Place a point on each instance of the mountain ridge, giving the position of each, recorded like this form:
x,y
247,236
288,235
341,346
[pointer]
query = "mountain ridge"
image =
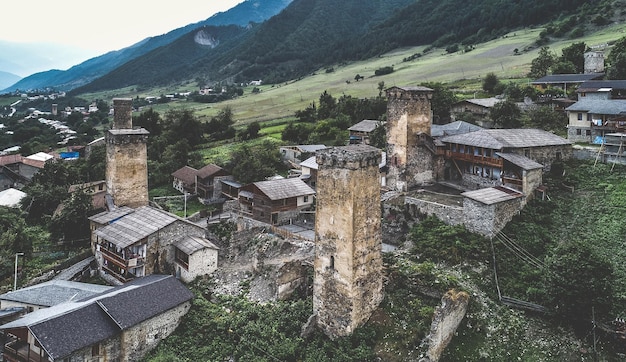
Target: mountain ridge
x,y
85,72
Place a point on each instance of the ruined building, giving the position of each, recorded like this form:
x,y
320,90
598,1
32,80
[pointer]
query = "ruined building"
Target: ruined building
x,y
348,283
127,158
411,154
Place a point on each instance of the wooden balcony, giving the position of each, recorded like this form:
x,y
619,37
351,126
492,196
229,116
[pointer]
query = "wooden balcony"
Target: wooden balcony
x,y
117,259
19,351
127,277
481,160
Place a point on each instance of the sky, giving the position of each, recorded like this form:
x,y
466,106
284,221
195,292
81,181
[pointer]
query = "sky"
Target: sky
x,y
100,26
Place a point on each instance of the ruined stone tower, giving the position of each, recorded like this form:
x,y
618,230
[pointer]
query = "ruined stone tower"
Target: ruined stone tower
x,y
348,283
410,153
127,158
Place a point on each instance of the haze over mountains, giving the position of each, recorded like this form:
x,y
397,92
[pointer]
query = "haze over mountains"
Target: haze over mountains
x,y
308,35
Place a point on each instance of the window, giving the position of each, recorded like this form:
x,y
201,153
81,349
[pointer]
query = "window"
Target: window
x,y
306,199
587,132
527,153
580,116
95,350
579,132
332,263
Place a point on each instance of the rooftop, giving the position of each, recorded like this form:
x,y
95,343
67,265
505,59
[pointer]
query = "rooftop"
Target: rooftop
x,y
53,292
366,125
499,139
284,188
492,195
599,106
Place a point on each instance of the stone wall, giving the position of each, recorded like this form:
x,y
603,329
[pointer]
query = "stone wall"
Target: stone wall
x,y
127,168
202,262
446,319
110,350
143,337
347,285
546,155
291,276
122,113
160,254
488,220
449,214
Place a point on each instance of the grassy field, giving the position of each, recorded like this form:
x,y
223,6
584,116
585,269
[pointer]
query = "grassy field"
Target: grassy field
x,y
465,70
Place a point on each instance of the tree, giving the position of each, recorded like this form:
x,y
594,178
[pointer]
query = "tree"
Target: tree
x,y
617,60
381,88
15,237
71,222
327,106
378,137
577,279
183,124
547,118
506,115
442,101
221,127
540,66
250,163
490,82
150,120
574,55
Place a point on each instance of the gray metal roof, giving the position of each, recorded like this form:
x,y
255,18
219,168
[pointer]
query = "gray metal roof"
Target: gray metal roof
x,y
500,139
458,127
53,292
492,195
521,161
135,226
284,188
592,85
108,216
191,244
567,78
483,102
366,125
414,88
309,163
599,106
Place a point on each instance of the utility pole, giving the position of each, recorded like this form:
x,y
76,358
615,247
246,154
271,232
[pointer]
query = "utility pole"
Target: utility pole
x,y
15,278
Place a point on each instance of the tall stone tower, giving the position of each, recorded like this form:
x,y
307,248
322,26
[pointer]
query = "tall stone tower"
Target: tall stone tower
x,y
127,158
410,156
348,283
594,62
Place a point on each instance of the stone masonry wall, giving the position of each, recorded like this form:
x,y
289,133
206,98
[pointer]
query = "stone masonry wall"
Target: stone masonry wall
x,y
347,285
143,337
408,115
488,220
448,214
127,169
110,351
160,254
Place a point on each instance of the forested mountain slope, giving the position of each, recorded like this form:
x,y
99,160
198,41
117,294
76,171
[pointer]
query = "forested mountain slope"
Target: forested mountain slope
x,y
312,34
248,11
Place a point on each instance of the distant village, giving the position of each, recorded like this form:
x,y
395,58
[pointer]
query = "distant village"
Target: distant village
x,y
464,173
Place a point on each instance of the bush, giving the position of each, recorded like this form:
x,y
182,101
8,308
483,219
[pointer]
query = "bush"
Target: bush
x,y
383,71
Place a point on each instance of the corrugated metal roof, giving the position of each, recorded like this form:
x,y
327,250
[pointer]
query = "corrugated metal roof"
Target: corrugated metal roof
x,y
499,139
53,292
135,226
309,163
191,244
521,161
484,102
108,216
568,78
284,188
209,170
453,128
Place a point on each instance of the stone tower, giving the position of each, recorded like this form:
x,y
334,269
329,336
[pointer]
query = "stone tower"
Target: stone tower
x,y
348,283
594,62
127,158
410,152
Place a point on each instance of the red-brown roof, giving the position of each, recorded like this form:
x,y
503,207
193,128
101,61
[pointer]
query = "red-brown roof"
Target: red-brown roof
x,y
10,159
186,174
211,170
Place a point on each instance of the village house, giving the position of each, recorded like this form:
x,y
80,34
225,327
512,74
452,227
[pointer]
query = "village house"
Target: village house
x,y
206,182
11,197
130,243
602,89
479,107
119,324
360,132
589,119
275,201
452,128
511,157
16,170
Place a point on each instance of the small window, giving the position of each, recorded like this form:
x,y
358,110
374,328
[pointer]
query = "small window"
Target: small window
x,y
527,153
587,132
580,116
579,132
306,199
95,350
332,263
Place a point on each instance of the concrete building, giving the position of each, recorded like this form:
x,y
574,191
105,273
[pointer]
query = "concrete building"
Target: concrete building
x,y
348,280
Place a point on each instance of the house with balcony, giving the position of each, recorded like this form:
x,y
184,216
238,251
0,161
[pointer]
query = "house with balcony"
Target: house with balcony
x,y
209,181
122,323
502,157
602,89
184,180
276,201
130,243
590,119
